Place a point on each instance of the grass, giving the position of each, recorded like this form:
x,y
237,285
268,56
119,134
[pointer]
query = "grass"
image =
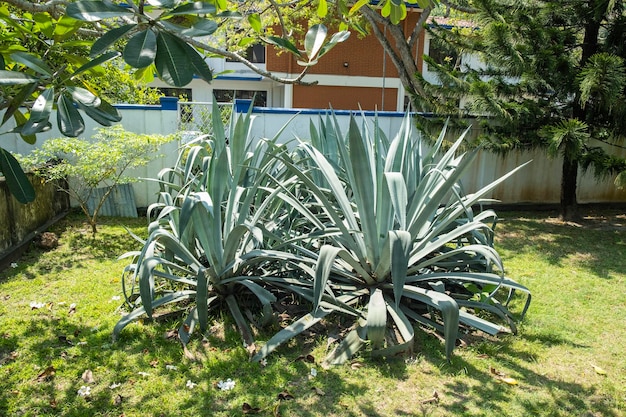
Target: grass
x,y
576,274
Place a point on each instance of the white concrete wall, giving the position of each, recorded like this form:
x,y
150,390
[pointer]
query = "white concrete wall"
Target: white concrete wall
x,y
538,183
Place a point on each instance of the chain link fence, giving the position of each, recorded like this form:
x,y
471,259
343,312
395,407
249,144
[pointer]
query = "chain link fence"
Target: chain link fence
x,y
197,117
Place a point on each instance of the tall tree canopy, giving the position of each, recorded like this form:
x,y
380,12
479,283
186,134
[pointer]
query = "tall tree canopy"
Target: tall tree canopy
x,y
552,76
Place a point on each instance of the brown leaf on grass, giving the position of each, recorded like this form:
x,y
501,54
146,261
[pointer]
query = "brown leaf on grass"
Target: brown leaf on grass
x,y
46,374
356,365
433,399
189,354
248,409
501,376
88,377
285,395
154,363
318,391
251,348
10,357
305,358
118,400
171,334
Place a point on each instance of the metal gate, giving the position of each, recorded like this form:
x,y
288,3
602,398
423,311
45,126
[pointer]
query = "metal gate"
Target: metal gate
x,y
196,117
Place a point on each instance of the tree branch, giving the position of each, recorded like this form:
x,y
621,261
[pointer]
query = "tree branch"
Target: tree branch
x,y
458,7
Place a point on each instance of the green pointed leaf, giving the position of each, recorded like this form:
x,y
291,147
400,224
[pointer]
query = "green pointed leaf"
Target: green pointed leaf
x,y
322,8
197,7
96,62
15,77
201,27
108,39
199,65
254,20
171,61
355,8
44,23
286,334
336,38
19,185
40,113
283,44
69,120
21,120
346,349
66,27
141,49
141,311
105,114
95,10
18,100
32,62
314,40
84,96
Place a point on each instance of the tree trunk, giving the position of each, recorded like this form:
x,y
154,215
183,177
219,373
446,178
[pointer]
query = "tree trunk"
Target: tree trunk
x,y
569,205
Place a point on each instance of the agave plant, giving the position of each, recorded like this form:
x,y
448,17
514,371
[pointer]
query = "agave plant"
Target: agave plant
x,y
206,243
396,241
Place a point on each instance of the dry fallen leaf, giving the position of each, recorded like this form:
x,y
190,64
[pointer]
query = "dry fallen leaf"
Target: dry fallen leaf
x,y
88,377
318,391
46,374
118,400
356,365
598,370
154,363
285,395
248,409
189,354
251,349
433,399
508,380
171,334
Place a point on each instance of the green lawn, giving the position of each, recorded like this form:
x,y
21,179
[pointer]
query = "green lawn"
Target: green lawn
x,y
577,320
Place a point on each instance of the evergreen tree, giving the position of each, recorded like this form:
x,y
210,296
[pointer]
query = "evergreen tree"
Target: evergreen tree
x,y
553,76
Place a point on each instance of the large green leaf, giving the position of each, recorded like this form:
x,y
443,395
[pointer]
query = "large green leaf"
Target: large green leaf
x,y
15,77
200,67
141,50
139,312
40,113
102,43
18,100
19,185
196,7
171,61
283,44
286,334
84,96
95,10
314,40
69,120
105,114
33,62
96,62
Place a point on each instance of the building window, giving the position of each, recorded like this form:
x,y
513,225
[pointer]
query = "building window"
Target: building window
x,y
254,54
228,96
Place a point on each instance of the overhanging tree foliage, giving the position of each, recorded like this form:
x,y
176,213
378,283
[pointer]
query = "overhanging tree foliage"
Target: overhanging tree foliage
x,y
163,37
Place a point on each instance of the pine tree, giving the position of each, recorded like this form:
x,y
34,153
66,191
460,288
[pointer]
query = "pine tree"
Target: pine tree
x,y
553,76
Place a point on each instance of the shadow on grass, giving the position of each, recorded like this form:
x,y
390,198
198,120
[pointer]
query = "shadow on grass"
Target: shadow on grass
x,y
555,241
